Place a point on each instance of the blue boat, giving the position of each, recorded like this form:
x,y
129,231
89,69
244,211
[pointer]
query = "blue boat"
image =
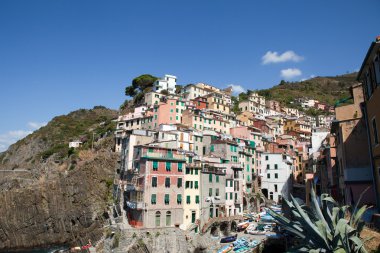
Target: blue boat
x,y
229,239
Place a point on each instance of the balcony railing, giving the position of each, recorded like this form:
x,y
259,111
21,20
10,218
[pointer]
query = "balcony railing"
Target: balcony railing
x,y
135,205
163,156
214,170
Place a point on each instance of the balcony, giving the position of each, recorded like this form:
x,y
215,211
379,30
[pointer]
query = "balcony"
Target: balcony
x,y
163,156
236,166
213,170
135,205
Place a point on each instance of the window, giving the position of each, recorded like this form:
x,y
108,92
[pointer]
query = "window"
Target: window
x,y
155,165
196,185
217,178
266,158
276,167
166,199
226,195
376,68
209,192
196,172
187,171
197,199
153,199
210,178
368,84
374,129
187,199
168,166
231,182
231,196
268,175
275,188
168,218
268,166
180,167
167,182
154,181
179,199
187,184
179,182
275,175
217,192
212,148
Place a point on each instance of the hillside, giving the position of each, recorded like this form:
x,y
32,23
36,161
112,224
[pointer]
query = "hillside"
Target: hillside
x,y
59,195
51,141
325,89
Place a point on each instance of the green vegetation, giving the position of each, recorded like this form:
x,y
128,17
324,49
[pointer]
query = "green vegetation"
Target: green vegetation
x,y
235,107
84,125
325,89
140,85
323,228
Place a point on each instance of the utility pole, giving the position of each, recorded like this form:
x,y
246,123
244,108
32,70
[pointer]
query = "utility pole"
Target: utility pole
x,y
92,145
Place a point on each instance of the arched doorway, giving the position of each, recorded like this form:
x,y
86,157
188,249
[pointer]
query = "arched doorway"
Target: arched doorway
x,y
168,218
158,219
233,226
224,227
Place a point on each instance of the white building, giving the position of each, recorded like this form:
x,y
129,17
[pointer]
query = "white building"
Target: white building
x,y
167,83
75,144
276,169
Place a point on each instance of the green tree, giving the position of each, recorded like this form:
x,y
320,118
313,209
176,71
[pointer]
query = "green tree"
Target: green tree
x,y
140,84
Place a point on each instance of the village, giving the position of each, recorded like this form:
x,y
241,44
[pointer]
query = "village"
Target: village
x,y
188,161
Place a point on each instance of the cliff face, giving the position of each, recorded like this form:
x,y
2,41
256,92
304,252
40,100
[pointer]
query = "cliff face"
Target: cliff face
x,y
53,195
63,208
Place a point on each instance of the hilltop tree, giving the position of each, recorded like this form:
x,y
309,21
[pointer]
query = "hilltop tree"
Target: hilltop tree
x,y
139,84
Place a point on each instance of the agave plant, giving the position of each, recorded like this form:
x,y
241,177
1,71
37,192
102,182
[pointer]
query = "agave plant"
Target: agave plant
x,y
324,227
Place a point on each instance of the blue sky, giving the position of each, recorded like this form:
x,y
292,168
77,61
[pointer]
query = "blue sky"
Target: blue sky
x,y
58,56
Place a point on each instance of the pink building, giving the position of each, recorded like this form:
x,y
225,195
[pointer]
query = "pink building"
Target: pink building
x,y
154,195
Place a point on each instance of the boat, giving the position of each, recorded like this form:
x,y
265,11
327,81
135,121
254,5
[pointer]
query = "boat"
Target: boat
x,y
242,226
225,249
228,239
256,232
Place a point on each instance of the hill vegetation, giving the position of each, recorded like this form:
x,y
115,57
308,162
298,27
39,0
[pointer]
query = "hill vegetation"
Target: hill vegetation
x,y
52,140
325,89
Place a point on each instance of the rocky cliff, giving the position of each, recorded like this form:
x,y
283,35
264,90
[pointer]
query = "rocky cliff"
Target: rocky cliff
x,y
50,194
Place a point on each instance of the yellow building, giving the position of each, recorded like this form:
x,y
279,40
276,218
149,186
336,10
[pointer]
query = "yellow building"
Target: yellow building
x,y
192,199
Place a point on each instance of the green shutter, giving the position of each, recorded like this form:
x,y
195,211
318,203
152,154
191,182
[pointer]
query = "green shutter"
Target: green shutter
x,y
196,185
217,178
179,182
188,199
179,198
154,199
180,167
168,166
210,178
167,200
155,165
197,199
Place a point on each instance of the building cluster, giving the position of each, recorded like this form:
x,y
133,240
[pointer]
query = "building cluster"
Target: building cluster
x,y
347,164
186,157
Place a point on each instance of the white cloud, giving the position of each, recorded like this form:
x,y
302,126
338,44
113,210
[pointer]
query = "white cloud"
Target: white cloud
x,y
236,89
36,125
274,57
310,77
290,73
11,137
